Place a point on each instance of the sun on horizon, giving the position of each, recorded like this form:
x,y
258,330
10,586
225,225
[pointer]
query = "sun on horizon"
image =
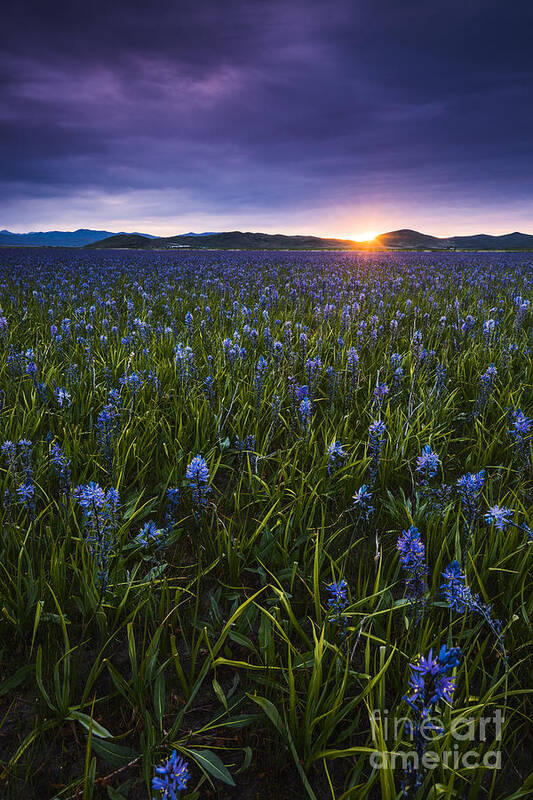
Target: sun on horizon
x,y
365,236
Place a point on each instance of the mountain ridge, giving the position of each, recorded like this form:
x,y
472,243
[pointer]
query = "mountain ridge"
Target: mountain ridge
x,y
77,238
402,239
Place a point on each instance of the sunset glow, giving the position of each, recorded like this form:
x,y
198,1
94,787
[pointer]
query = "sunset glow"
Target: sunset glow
x,y
366,236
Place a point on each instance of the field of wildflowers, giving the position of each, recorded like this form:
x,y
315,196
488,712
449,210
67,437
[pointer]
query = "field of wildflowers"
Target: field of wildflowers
x,y
256,508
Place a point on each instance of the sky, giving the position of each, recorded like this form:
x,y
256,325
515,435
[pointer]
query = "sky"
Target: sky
x,y
331,118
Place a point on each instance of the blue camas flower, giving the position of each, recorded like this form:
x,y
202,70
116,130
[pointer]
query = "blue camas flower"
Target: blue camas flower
x,y
376,440
245,447
380,393
134,381
19,463
9,451
520,436
413,560
332,379
338,595
502,519
430,683
25,451
305,411
259,378
277,350
312,371
460,598
469,487
107,429
173,498
427,467
440,382
100,525
427,463
362,500
63,398
337,602
198,476
172,777
61,466
336,457
489,329
90,496
208,388
276,409
150,536
26,495
487,385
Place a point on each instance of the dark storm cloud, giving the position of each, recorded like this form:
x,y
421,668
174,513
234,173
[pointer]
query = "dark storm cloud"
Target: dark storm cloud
x,y
255,105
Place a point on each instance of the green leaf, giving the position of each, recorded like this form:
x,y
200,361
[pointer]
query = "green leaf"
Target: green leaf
x,y
88,723
115,754
38,612
220,693
159,698
17,678
271,711
39,678
210,762
155,572
248,755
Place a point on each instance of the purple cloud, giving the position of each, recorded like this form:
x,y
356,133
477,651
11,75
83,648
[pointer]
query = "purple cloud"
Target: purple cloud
x,y
282,115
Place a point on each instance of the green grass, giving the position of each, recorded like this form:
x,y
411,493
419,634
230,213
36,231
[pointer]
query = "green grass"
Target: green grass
x,y
222,648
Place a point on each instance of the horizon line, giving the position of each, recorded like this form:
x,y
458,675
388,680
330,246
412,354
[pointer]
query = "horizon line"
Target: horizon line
x,y
259,231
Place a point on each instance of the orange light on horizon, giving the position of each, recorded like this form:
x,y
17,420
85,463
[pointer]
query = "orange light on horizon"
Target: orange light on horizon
x,y
365,236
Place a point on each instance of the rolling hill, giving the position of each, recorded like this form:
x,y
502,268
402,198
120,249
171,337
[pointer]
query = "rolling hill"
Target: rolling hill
x,y
404,239
235,240
79,238
408,239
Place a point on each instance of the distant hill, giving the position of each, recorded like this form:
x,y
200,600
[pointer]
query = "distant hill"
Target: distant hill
x,y
133,240
79,238
485,241
237,240
407,239
261,241
404,239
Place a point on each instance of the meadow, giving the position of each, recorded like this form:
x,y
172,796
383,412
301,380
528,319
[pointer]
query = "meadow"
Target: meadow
x,y
256,509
